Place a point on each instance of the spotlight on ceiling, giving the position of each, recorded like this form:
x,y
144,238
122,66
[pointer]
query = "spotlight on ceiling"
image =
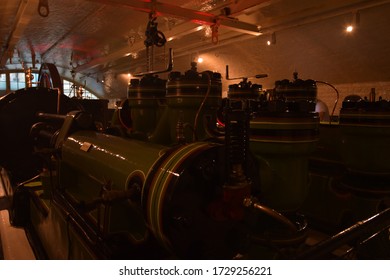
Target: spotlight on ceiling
x,y
272,40
355,21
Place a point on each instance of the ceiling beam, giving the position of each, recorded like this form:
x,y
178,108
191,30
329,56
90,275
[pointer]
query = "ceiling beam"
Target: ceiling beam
x,y
292,21
227,38
199,17
174,33
196,18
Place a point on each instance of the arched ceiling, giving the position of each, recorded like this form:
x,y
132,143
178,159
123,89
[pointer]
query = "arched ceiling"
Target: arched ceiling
x,y
101,40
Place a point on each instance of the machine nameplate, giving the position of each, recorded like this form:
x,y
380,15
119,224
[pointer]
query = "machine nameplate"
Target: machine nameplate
x,y
85,147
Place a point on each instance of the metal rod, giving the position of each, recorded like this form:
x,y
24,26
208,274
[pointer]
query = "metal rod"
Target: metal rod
x,y
248,202
335,102
169,67
258,76
51,116
194,136
362,229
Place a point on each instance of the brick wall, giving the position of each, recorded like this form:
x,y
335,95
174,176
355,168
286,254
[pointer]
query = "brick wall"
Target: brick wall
x,y
328,95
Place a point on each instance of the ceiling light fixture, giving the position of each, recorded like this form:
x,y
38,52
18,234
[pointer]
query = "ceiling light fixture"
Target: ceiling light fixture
x,y
272,40
354,22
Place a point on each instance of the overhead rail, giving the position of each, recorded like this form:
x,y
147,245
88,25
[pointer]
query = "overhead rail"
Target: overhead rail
x,y
164,9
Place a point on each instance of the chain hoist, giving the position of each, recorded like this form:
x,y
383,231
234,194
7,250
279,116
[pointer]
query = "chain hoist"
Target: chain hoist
x,y
154,37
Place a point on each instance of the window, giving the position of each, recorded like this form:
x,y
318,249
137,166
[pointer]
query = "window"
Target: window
x,y
3,84
17,81
71,91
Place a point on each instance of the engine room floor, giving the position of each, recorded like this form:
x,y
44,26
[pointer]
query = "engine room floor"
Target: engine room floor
x,y
14,243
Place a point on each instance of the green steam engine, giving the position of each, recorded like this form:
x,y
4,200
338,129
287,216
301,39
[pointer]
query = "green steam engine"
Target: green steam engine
x,y
181,172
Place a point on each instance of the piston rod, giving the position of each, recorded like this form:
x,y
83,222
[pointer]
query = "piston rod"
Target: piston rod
x,y
361,229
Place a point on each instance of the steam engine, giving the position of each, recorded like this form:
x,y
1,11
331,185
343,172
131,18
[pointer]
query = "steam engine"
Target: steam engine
x,y
183,173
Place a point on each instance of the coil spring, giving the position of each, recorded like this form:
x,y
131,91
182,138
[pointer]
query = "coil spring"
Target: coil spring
x,y
237,137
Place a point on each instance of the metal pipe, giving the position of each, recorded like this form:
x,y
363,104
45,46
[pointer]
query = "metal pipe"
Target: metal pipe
x,y
194,137
361,229
335,102
58,99
248,202
28,77
51,116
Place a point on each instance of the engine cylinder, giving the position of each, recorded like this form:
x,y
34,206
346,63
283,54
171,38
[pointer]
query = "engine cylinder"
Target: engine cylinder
x,y
365,134
282,142
193,99
176,189
298,95
18,112
145,98
283,132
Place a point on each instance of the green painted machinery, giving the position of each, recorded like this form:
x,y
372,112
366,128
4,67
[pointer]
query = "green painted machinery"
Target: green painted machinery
x,y
283,133
349,171
189,175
